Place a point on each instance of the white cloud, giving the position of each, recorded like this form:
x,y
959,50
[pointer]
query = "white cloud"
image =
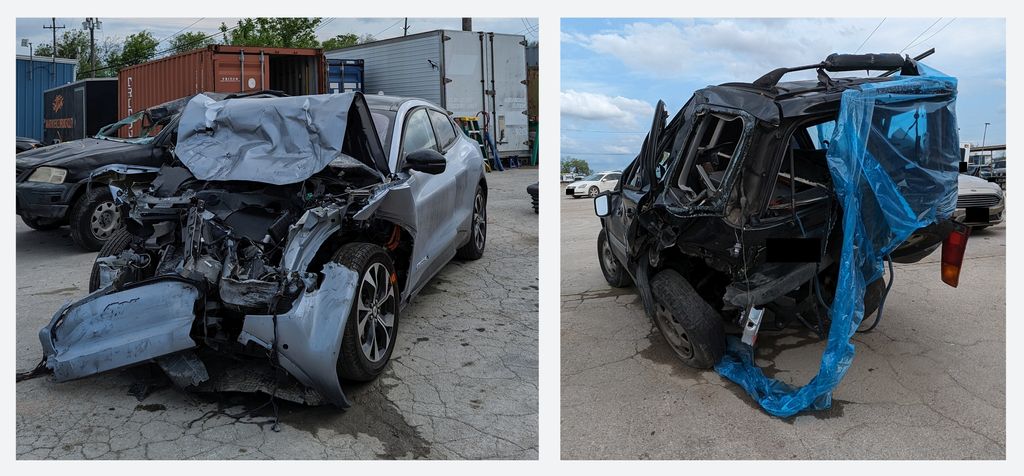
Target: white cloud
x,y
617,111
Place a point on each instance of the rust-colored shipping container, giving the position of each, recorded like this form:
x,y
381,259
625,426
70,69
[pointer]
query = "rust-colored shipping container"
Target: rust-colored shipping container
x,y
220,68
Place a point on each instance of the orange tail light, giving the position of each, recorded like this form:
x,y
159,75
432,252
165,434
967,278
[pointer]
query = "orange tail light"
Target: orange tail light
x,y
953,249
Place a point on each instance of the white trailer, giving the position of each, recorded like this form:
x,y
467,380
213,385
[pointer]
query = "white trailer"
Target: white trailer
x,y
468,73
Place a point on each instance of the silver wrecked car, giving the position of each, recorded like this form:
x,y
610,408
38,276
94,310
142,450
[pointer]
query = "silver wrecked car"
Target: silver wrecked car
x,y
287,233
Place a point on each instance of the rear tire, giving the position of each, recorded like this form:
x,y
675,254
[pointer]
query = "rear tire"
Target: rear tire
x,y
689,324
474,249
614,273
41,224
94,219
373,314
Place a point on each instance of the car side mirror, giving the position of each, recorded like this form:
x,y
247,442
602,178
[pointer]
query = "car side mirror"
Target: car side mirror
x,y
428,161
602,205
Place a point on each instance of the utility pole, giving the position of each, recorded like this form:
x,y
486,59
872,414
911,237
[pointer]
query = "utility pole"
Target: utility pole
x,y
92,24
985,134
405,29
53,49
467,24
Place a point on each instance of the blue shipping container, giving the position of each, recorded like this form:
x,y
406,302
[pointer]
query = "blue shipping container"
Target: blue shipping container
x,y
34,76
344,75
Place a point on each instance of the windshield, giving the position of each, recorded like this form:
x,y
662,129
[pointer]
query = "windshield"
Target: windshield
x,y
593,178
140,129
1000,164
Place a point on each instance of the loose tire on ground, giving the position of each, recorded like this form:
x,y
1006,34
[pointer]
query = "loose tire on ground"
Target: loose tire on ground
x,y
689,324
355,363
114,246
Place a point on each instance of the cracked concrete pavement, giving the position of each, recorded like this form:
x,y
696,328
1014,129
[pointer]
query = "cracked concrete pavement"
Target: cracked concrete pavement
x,y
462,382
928,383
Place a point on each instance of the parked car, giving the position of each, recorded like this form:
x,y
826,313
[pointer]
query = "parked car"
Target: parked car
x,y
572,177
283,232
979,202
594,184
56,184
534,191
998,174
730,207
22,144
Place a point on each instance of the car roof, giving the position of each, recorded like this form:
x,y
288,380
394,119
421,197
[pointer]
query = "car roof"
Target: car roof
x,y
383,102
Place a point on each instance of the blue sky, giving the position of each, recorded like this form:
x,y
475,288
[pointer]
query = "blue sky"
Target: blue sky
x,y
615,70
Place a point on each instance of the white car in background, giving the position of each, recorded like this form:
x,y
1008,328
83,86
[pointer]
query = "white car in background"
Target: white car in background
x,y
594,184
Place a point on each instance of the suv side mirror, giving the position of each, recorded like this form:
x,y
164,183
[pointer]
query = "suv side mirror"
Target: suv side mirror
x,y
428,161
602,205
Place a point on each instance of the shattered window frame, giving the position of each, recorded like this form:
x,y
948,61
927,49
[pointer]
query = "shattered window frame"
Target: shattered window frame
x,y
715,204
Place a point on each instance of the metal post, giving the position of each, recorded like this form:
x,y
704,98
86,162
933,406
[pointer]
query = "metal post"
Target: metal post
x,y
53,49
985,134
405,29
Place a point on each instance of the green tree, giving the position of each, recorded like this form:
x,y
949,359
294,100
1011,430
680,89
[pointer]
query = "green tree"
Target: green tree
x,y
340,41
582,167
273,32
190,40
137,48
74,44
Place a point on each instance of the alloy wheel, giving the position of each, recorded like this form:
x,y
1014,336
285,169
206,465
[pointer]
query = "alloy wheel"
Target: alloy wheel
x,y
375,312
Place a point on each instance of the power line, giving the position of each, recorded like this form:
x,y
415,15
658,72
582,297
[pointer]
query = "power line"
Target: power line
x,y
181,30
869,36
920,34
390,27
172,49
933,34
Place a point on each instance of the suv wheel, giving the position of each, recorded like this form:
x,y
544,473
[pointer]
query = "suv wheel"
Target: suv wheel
x,y
689,324
372,326
94,219
613,271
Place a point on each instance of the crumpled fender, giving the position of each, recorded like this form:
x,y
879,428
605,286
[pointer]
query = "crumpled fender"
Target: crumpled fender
x,y
107,330
308,337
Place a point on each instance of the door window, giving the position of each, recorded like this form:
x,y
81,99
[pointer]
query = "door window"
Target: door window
x,y
418,133
713,150
443,127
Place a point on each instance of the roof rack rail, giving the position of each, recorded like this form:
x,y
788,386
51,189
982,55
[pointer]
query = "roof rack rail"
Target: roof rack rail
x,y
835,62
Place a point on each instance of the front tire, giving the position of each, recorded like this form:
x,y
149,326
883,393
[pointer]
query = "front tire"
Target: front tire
x,y
477,229
594,192
611,268
689,324
371,330
113,247
94,219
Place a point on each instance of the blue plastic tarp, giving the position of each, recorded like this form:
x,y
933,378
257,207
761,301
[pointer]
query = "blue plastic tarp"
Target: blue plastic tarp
x,y
893,157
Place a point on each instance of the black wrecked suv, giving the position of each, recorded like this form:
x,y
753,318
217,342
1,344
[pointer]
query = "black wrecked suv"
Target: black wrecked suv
x,y
728,220
57,185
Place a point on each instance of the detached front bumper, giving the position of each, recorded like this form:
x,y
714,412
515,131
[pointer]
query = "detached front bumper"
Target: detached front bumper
x,y
44,200
108,330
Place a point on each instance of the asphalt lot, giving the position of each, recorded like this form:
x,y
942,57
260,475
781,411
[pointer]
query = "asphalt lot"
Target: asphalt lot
x,y
929,383
462,382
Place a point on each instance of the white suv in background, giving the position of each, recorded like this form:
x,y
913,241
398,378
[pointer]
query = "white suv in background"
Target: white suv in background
x,y
594,184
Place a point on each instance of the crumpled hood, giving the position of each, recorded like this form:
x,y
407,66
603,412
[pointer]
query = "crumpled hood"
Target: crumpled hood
x,y
70,155
276,140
